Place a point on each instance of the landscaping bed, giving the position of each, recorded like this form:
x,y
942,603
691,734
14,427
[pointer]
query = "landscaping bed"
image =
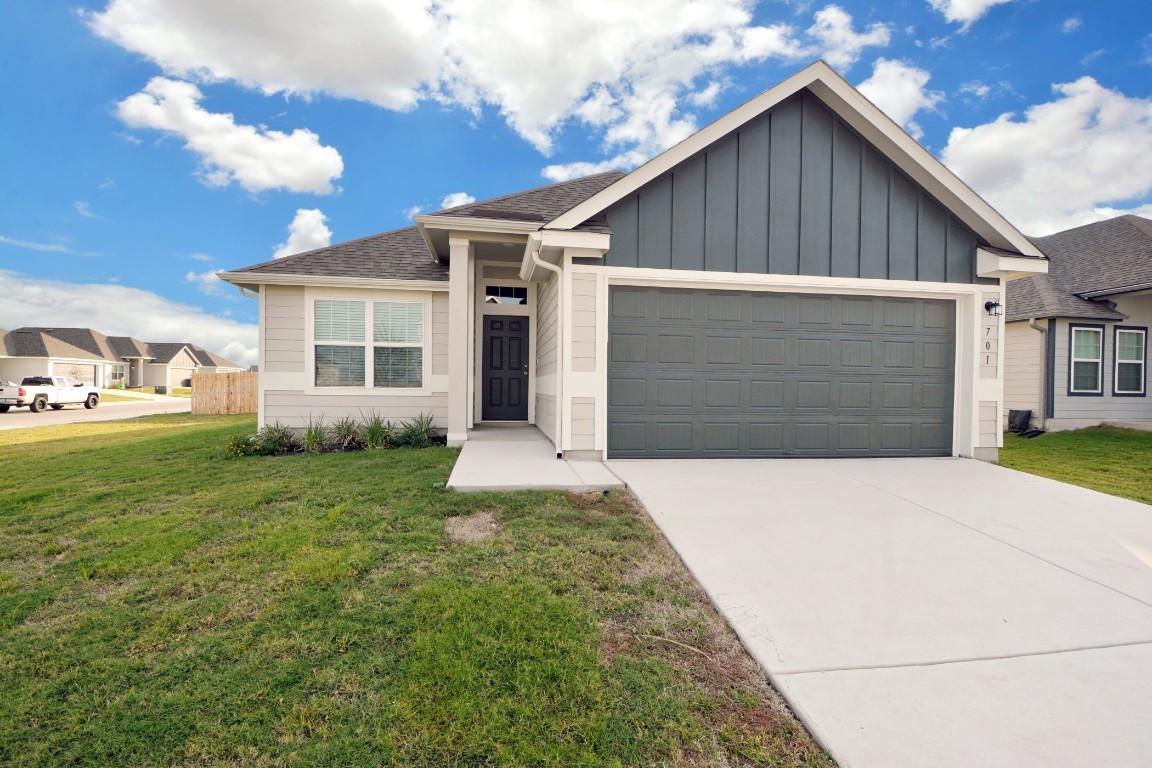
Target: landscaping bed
x,y
162,604
1115,461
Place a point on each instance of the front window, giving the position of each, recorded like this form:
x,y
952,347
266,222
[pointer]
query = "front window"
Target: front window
x,y
1087,354
1130,353
349,333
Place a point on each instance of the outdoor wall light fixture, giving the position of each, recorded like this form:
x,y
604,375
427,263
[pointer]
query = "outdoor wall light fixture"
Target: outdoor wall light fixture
x,y
994,308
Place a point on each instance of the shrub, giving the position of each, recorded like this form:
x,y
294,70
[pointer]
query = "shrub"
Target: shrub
x,y
316,436
243,445
378,432
346,434
418,432
276,439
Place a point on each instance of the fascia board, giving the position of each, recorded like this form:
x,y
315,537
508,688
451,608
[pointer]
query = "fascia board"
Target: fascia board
x,y
474,224
257,279
552,238
1006,267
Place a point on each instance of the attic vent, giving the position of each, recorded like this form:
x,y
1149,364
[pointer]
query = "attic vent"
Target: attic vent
x,y
497,213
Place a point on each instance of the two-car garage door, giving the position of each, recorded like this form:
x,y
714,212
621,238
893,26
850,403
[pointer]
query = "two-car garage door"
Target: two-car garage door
x,y
702,373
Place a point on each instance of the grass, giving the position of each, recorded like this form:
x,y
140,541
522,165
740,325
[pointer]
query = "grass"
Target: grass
x,y
111,397
163,605
1114,461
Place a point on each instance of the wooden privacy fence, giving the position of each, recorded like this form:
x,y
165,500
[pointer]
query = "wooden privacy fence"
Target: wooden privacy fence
x,y
221,393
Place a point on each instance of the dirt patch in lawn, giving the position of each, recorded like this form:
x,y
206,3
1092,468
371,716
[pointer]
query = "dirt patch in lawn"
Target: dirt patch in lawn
x,y
472,529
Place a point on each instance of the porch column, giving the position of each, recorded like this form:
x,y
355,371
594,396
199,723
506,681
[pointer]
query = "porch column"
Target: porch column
x,y
460,253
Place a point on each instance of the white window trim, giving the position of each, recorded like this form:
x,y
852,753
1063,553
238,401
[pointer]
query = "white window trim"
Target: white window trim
x,y
1099,360
1143,362
368,345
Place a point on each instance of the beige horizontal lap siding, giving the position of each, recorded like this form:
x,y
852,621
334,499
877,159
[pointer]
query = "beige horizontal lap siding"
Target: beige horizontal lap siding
x,y
547,320
583,323
283,329
1092,409
546,415
439,333
295,409
990,426
1023,367
583,423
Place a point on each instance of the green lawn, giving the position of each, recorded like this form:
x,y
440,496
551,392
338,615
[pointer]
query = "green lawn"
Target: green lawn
x,y
1115,461
163,605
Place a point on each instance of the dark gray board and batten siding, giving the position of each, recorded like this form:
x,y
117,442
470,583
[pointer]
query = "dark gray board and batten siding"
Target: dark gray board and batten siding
x,y
796,191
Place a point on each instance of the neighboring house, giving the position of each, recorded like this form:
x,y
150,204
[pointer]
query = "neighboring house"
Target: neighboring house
x,y
102,361
1077,338
799,278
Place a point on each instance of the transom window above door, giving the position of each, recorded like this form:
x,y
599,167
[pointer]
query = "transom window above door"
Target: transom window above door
x,y
505,294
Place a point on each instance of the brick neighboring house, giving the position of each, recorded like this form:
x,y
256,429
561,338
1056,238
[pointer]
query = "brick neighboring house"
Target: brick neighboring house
x,y
103,361
1076,339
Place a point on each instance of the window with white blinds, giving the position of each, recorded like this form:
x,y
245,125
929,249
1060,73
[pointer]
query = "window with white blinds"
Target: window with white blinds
x,y
377,344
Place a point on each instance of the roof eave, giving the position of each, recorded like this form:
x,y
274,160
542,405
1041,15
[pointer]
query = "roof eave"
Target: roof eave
x,y
253,281
1114,291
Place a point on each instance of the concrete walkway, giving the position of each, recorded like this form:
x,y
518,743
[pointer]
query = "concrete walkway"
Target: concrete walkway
x,y
927,612
521,458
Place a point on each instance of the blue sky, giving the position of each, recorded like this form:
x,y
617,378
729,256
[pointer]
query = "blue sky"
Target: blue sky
x,y
147,143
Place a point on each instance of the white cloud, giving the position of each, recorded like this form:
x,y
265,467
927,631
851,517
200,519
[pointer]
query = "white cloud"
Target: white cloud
x,y
976,88
201,257
48,247
965,11
626,71
1086,153
455,199
840,43
307,232
255,158
207,282
899,89
118,310
412,212
108,183
1071,24
85,210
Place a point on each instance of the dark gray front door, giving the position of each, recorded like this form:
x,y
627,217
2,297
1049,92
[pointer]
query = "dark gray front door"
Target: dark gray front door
x,y
505,369
694,373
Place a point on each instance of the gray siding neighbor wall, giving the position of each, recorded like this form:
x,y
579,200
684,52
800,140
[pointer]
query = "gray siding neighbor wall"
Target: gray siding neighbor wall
x,y
795,191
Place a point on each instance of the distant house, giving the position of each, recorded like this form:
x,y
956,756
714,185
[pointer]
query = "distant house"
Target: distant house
x,y
1076,339
103,361
799,278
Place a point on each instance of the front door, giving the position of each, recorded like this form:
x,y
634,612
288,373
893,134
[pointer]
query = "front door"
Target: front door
x,y
505,368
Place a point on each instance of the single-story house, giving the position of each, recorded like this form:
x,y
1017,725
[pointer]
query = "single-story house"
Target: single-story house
x,y
799,278
1076,339
102,361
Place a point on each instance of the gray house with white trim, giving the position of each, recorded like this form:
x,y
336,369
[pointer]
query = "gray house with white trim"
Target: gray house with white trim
x,y
799,278
1077,338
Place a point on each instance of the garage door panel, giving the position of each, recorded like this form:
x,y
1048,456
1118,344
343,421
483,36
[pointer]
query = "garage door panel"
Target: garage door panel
x,y
737,374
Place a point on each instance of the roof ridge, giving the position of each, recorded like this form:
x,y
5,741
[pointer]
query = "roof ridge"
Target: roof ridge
x,y
542,187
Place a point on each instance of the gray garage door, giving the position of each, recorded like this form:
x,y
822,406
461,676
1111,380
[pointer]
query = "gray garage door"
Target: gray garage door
x,y
695,373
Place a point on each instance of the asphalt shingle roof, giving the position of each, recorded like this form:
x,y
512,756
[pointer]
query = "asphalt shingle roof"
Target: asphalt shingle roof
x,y
397,255
542,204
87,344
1111,254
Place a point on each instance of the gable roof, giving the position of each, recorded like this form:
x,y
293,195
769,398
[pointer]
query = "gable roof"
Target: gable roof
x,y
542,204
397,255
1105,258
863,116
88,344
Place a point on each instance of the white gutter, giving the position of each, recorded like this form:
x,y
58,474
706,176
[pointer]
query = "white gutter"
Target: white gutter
x,y
1044,377
534,254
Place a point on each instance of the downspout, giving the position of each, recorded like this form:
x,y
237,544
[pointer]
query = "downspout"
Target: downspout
x,y
1044,374
534,254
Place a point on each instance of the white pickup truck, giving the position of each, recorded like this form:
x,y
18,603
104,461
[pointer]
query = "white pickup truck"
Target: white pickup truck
x,y
40,392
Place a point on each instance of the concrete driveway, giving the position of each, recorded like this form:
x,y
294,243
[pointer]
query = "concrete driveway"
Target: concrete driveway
x,y
19,418
927,612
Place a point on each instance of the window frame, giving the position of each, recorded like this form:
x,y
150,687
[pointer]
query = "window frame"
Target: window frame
x,y
1072,360
1116,361
369,345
